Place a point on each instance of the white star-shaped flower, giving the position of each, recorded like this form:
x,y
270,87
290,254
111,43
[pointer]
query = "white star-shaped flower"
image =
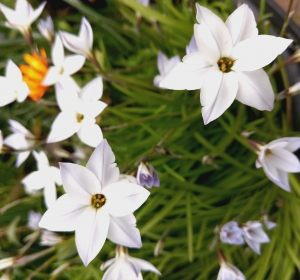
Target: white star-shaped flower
x,y
12,85
277,160
46,28
231,233
125,267
44,178
20,140
78,113
63,66
229,63
254,235
164,66
94,203
230,272
81,44
23,16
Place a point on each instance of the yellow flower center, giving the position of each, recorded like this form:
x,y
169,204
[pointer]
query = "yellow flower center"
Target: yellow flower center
x,y
225,64
98,200
267,152
79,117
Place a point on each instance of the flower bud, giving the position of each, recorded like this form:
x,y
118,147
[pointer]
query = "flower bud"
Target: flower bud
x,y
146,175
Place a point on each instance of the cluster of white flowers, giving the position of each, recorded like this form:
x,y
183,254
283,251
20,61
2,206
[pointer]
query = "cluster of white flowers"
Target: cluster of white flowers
x,y
224,60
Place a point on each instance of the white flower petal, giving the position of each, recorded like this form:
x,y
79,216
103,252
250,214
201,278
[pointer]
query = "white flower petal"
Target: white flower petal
x,y
241,24
93,109
270,170
86,35
284,160
8,13
34,181
123,233
90,134
52,76
79,182
71,42
164,64
18,128
192,46
291,144
120,269
230,272
255,90
50,194
218,43
218,93
63,127
16,141
143,265
73,63
37,12
102,164
91,233
107,263
92,91
177,78
270,225
22,157
162,60
183,77
12,71
255,246
253,230
82,43
6,98
66,96
124,198
55,174
157,79
68,83
258,164
23,91
257,52
57,52
63,215
196,61
283,181
41,160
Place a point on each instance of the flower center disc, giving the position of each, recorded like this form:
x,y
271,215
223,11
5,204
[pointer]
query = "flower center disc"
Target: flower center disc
x,y
267,152
98,200
225,64
79,117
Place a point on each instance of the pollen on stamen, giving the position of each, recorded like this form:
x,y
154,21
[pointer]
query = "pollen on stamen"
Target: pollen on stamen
x,y
98,200
267,152
79,117
225,64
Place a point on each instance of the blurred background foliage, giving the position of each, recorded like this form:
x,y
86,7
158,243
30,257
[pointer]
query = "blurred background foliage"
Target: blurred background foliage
x,y
166,128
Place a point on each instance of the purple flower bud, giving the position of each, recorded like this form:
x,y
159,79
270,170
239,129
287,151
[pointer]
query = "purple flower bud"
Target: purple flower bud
x,y
146,175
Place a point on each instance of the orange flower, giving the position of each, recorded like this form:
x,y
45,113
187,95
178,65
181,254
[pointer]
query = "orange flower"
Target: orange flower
x,y
34,73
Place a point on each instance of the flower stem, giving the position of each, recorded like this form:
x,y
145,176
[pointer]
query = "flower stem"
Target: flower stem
x,y
285,23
